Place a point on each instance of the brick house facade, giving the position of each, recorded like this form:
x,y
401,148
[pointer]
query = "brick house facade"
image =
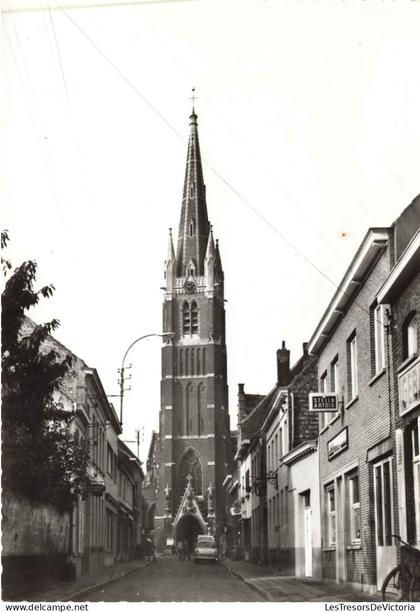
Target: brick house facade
x,y
358,475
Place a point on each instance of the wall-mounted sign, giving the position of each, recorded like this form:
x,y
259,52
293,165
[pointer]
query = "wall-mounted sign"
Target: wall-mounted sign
x,y
323,402
337,444
409,387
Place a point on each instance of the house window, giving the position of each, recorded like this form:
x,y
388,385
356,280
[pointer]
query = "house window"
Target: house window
x,y
330,495
415,435
383,502
335,376
286,439
111,462
354,507
377,325
247,483
324,417
352,367
410,340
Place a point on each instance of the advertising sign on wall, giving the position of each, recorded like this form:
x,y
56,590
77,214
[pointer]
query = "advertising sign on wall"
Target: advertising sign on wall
x,y
337,444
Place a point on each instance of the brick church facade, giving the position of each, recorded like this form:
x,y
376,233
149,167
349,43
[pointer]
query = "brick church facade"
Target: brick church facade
x,y
194,445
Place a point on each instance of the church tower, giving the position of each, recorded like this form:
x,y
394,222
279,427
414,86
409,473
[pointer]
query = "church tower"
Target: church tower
x,y
194,432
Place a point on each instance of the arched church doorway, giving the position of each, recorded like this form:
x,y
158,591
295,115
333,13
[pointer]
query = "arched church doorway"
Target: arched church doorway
x,y
188,528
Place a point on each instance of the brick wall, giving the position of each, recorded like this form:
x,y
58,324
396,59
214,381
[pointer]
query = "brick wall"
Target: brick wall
x,y
367,419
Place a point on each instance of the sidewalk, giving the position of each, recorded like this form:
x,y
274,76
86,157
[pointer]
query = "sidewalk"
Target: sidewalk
x,y
67,591
275,587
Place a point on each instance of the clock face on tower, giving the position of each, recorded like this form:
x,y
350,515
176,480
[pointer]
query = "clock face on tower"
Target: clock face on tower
x,y
190,286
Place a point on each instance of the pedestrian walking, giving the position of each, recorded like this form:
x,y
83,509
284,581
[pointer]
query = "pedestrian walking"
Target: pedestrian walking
x,y
150,550
180,549
187,550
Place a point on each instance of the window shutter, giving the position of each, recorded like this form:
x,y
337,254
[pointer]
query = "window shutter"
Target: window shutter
x,y
402,509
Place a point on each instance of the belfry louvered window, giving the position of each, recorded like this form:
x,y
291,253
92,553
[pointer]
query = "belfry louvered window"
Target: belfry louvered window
x,y
186,319
194,318
190,318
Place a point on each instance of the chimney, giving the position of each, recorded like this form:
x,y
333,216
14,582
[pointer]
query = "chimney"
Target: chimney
x,y
283,365
241,402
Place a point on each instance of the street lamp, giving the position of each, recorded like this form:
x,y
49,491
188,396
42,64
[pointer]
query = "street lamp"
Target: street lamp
x,y
121,370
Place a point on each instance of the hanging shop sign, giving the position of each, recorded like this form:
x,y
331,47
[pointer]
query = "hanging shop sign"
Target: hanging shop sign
x,y
337,444
323,402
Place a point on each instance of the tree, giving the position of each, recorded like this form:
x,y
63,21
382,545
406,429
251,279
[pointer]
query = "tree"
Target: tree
x,y
43,460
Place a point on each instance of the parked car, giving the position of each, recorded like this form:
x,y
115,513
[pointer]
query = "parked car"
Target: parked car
x,y
205,549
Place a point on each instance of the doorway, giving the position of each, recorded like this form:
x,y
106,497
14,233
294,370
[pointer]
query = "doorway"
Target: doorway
x,y
187,529
386,550
307,522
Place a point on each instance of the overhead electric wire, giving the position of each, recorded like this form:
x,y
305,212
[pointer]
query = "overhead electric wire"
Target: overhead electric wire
x,y
93,5
208,164
38,123
69,106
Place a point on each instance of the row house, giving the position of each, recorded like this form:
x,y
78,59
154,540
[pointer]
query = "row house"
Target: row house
x,y
322,493
400,295
290,433
44,544
354,344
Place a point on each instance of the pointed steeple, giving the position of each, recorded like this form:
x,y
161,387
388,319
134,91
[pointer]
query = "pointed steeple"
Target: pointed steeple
x,y
194,224
210,246
217,258
209,262
170,266
171,250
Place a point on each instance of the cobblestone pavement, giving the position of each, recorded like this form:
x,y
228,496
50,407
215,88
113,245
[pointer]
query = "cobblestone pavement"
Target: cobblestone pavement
x,y
171,580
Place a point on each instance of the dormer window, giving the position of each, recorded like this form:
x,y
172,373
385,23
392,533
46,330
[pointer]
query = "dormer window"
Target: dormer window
x,y
192,190
192,226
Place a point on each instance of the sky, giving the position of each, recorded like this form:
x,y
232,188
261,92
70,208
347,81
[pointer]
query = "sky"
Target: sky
x,y
309,129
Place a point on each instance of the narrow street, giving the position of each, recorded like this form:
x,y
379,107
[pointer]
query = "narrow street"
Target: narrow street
x,y
171,580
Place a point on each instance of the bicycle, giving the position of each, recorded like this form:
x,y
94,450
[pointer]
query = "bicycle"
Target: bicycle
x,y
403,582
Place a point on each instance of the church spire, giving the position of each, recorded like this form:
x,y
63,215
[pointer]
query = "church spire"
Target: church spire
x,y
171,251
194,225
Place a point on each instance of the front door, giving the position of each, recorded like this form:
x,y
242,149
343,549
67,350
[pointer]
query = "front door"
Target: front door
x,y
308,540
386,550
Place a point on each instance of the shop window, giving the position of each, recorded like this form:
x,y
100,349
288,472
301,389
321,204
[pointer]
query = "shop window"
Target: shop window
x,y
354,507
330,523
383,502
415,435
352,367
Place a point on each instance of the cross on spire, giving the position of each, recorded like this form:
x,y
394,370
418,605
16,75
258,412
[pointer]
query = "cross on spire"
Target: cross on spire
x,y
189,478
193,98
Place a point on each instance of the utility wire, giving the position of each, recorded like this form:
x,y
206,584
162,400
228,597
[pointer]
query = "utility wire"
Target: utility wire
x,y
208,164
34,110
179,135
69,106
93,5
215,172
